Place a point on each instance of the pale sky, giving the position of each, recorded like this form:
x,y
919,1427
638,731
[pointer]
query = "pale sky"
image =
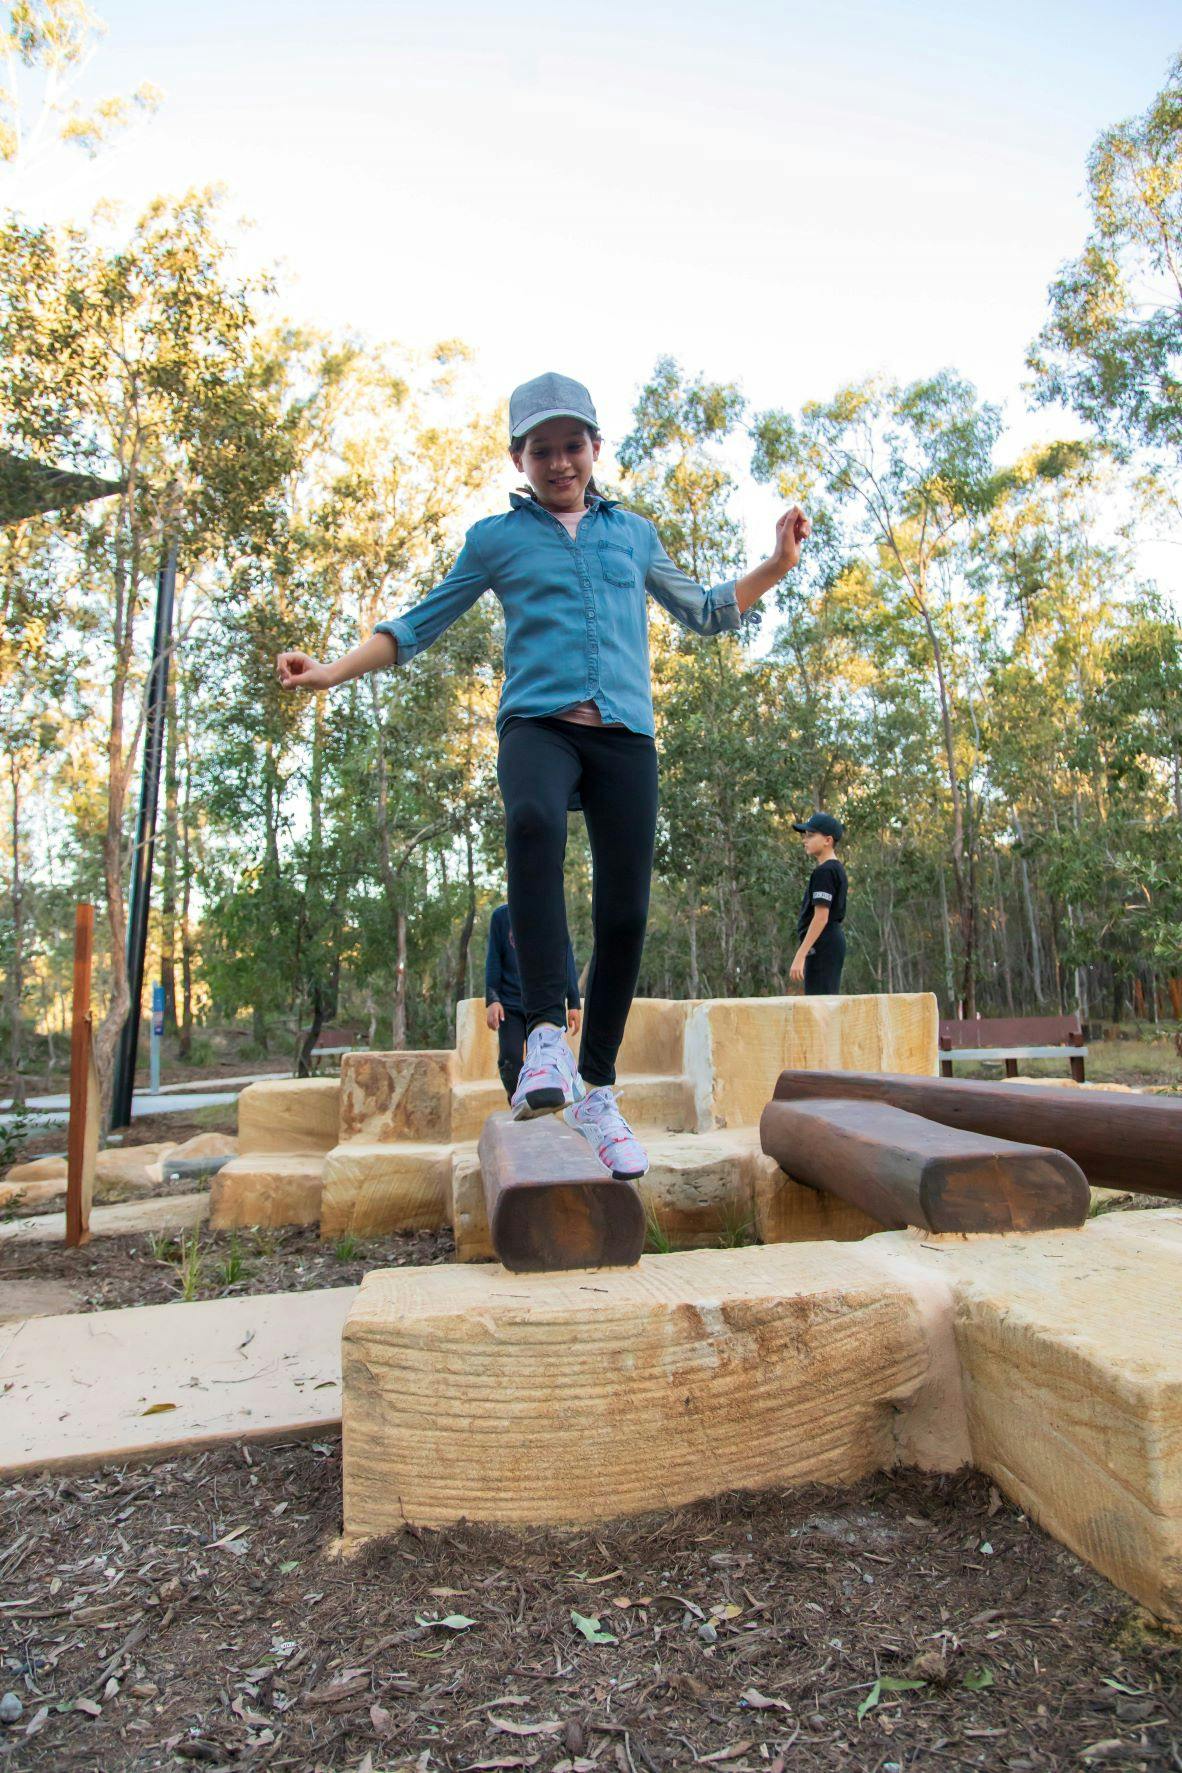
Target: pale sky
x,y
789,195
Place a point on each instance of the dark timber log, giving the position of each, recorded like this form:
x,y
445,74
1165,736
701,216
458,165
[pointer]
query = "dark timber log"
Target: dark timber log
x,y
551,1204
904,1170
1118,1141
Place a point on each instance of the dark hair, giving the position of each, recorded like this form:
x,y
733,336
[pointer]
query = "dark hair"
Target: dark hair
x,y
517,444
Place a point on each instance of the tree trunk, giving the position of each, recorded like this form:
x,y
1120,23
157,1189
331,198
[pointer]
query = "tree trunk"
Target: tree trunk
x,y
466,929
398,1041
1003,924
171,838
16,971
693,939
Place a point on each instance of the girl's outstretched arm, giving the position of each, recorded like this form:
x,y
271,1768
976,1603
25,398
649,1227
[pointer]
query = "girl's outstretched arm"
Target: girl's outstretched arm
x,y
396,642
791,532
717,610
298,671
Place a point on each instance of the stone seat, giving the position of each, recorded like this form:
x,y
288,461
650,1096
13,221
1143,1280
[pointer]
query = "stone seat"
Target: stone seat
x,y
372,1187
267,1188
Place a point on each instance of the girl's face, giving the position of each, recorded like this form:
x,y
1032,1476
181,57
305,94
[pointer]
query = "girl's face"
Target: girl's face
x,y
558,459
815,843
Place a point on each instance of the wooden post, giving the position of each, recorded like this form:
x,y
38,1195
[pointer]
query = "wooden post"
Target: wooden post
x,y
1118,1141
551,1204
904,1170
82,1142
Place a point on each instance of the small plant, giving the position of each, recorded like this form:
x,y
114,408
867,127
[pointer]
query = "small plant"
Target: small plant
x,y
190,1261
232,1268
347,1247
657,1241
162,1246
265,1241
737,1230
14,1132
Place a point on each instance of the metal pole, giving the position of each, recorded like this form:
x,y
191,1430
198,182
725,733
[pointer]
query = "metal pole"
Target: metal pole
x,y
157,1037
81,1064
145,839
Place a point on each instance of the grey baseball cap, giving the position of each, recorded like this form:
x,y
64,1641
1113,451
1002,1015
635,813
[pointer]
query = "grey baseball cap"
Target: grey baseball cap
x,y
548,397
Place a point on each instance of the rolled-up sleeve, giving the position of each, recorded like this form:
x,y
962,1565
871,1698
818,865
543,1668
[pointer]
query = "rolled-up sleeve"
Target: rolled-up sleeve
x,y
713,611
443,605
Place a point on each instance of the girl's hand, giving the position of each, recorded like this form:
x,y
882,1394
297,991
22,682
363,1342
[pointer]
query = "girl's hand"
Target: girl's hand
x,y
791,532
574,1020
298,671
494,1016
796,970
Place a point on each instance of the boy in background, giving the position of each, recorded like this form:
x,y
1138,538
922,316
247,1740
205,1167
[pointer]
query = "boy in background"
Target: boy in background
x,y
504,1004
821,952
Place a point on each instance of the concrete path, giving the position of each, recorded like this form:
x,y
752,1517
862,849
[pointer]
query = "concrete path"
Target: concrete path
x,y
169,1212
55,1110
107,1386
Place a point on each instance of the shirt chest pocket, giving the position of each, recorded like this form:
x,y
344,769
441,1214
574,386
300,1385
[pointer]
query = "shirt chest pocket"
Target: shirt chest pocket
x,y
616,564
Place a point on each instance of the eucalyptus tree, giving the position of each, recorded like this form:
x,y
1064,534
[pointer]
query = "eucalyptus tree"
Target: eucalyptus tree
x,y
138,353
1111,348
910,470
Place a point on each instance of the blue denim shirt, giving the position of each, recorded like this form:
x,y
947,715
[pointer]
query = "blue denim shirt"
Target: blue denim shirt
x,y
576,619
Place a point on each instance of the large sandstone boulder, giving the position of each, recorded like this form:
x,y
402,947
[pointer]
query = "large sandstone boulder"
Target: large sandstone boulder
x,y
289,1114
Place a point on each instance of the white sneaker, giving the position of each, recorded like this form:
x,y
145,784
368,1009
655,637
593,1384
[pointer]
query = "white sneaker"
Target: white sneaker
x,y
616,1146
549,1078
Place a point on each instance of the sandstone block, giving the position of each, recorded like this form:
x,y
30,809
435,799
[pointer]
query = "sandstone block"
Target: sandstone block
x,y
471,1104
267,1189
563,1398
371,1188
386,1096
654,1039
735,1048
1070,1345
786,1212
289,1114
476,1044
469,1216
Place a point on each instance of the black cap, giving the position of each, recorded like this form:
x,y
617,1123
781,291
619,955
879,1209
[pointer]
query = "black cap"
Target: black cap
x,y
825,823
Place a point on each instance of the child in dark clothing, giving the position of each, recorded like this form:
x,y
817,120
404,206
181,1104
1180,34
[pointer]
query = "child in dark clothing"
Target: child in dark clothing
x,y
819,928
504,1002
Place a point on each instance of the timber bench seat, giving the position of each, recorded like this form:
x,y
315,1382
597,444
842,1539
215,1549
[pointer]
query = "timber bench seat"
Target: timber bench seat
x,y
334,1043
1010,1038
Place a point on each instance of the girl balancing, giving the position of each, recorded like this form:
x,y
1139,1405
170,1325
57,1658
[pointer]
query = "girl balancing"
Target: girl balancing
x,y
572,571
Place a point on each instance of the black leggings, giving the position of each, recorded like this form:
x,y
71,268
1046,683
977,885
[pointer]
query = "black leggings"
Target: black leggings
x,y
823,964
541,764
510,1049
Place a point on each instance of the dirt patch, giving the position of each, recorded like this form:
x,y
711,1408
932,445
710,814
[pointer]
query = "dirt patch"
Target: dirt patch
x,y
187,1614
146,1270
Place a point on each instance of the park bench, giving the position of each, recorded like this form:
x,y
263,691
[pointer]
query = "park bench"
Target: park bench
x,y
334,1043
1012,1038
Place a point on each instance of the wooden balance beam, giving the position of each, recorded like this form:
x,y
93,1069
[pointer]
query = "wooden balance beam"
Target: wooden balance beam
x,y
551,1203
904,1170
1118,1141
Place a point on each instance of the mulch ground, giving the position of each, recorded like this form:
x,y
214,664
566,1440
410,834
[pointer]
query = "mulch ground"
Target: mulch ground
x,y
143,1270
190,1613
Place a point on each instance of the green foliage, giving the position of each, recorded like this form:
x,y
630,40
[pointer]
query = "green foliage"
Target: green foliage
x,y
1112,347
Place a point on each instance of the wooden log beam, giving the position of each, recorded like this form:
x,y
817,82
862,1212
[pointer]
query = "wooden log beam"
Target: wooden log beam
x,y
551,1203
1118,1141
904,1170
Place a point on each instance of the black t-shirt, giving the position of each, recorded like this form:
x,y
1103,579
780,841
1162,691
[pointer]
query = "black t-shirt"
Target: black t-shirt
x,y
827,886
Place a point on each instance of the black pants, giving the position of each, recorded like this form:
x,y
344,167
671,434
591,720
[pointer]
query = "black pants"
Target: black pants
x,y
823,964
511,1048
541,764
